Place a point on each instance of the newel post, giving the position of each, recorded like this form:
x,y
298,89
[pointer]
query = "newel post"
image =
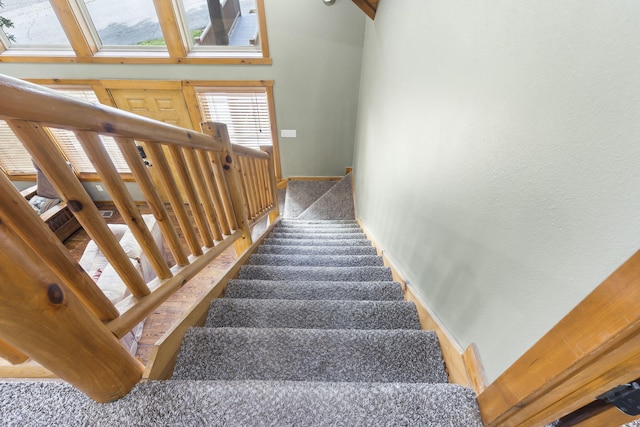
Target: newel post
x,y
41,318
232,176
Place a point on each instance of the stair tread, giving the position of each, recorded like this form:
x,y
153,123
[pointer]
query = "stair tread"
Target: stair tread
x,y
307,290
312,314
318,236
321,230
310,355
316,242
316,260
218,403
359,274
319,250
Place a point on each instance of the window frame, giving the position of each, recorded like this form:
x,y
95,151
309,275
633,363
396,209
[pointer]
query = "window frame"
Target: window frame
x,y
86,48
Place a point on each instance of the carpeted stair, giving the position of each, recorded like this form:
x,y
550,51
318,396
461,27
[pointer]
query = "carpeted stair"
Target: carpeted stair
x,y
312,332
317,310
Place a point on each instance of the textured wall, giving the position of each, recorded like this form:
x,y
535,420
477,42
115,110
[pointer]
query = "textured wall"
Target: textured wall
x,y
316,53
497,157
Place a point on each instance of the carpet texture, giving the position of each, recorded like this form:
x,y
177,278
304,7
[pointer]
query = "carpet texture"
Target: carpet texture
x,y
301,194
310,355
311,314
337,203
329,274
316,260
317,250
243,403
314,290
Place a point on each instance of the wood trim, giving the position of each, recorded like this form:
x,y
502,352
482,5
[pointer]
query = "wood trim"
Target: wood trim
x,y
592,349
191,100
75,27
67,57
229,83
165,351
314,178
172,28
475,370
28,369
367,6
262,22
274,132
451,350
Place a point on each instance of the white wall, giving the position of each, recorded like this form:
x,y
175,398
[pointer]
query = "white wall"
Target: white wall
x,y
498,157
316,53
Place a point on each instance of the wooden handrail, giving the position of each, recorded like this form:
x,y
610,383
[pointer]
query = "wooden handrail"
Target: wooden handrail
x,y
199,174
591,350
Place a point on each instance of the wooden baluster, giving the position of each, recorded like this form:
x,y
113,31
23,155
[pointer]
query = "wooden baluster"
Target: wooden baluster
x,y
17,213
12,354
143,178
43,319
275,213
259,184
223,189
262,184
43,150
159,161
201,188
196,207
247,191
253,183
232,177
124,202
264,171
212,189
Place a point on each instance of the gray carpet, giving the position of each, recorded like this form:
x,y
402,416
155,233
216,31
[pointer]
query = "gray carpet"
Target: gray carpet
x,y
310,355
337,203
318,230
316,242
301,194
317,250
243,403
316,260
329,274
314,290
312,314
312,236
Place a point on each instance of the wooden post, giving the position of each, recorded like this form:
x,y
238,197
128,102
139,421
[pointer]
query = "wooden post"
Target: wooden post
x,y
275,213
143,178
45,153
164,172
43,319
232,177
12,354
18,215
212,188
124,202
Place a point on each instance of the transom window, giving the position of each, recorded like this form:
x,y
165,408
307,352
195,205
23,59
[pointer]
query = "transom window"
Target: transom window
x,y
168,31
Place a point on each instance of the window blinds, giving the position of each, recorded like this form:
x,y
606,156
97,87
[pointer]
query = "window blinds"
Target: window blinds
x,y
245,112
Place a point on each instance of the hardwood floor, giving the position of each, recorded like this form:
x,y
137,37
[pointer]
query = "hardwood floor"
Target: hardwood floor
x,y
179,303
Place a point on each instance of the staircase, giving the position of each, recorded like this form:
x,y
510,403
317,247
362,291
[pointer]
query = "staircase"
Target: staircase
x,y
312,332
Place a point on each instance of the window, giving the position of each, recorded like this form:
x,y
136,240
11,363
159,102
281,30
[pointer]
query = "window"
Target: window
x,y
146,31
14,158
32,25
245,111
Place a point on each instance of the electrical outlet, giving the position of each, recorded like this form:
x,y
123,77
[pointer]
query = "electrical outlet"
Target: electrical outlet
x,y
99,187
288,133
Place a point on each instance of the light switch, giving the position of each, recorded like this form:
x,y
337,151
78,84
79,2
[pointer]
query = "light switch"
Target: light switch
x,y
288,133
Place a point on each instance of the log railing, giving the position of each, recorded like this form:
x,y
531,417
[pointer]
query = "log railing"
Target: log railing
x,y
50,309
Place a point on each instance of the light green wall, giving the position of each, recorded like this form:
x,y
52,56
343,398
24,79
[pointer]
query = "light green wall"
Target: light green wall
x,y
497,157
316,53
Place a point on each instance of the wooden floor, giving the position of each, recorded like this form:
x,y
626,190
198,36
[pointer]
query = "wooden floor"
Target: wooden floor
x,y
177,305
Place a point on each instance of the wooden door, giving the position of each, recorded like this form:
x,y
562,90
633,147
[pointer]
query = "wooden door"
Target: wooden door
x,y
166,105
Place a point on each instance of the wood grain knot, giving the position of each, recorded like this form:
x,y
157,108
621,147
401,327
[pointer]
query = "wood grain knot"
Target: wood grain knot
x,y
226,167
228,159
55,294
74,205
